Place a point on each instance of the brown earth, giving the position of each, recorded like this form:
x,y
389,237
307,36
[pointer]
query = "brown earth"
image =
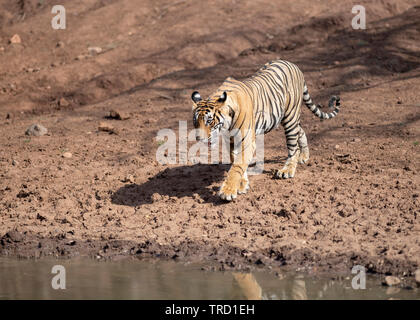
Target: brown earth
x,y
355,203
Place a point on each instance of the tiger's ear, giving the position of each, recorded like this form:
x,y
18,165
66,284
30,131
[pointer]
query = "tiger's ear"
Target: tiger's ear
x,y
196,97
223,97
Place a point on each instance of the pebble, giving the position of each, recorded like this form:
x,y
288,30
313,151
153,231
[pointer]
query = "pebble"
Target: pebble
x,y
15,39
81,57
357,140
128,178
67,155
94,50
63,102
118,115
36,130
337,147
15,236
103,126
14,162
60,44
391,281
156,197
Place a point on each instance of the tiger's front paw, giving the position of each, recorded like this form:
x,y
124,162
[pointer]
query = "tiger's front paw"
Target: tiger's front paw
x,y
303,157
228,190
288,171
243,186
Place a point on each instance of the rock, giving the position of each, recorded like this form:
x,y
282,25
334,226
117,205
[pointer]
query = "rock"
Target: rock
x,y
417,277
128,178
1,49
14,162
63,102
357,140
81,57
391,281
14,236
156,197
60,44
15,39
337,147
94,50
36,130
103,126
118,115
67,155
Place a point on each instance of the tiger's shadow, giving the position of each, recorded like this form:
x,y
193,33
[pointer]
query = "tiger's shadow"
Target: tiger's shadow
x,y
192,181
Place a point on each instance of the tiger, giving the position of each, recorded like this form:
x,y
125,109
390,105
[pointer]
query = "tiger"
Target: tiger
x,y
257,105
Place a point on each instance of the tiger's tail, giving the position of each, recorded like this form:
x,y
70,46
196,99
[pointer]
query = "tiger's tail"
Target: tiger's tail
x,y
315,108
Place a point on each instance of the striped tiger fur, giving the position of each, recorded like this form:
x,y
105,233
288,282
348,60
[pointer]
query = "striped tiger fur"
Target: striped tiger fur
x,y
257,105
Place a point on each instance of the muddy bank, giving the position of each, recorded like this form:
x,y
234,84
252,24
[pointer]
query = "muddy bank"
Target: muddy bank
x,y
92,186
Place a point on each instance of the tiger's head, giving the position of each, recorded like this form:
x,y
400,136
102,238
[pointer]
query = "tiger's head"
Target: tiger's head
x,y
210,117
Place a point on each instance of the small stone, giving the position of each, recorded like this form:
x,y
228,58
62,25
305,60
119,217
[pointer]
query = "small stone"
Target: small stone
x,y
14,162
67,155
36,130
1,49
94,50
103,126
14,236
15,39
337,147
81,57
417,277
63,102
391,281
357,140
128,178
118,115
60,44
156,197
336,62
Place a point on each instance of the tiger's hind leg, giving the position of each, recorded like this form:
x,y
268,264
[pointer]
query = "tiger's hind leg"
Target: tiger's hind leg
x,y
289,169
303,146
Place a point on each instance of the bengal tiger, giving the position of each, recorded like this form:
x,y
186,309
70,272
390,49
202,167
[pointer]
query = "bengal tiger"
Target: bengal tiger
x,y
257,105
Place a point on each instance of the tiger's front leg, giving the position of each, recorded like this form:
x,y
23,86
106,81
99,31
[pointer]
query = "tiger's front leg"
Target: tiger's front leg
x,y
232,185
237,179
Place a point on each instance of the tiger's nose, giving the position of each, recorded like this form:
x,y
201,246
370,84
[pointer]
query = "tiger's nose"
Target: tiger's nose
x,y
199,135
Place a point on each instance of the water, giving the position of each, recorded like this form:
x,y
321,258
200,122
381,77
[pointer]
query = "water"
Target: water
x,y
132,279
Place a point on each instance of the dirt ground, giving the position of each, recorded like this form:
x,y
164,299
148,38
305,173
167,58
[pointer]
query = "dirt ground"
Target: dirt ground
x,y
357,202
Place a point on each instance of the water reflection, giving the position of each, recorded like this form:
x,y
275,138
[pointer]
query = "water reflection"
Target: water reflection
x,y
88,279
